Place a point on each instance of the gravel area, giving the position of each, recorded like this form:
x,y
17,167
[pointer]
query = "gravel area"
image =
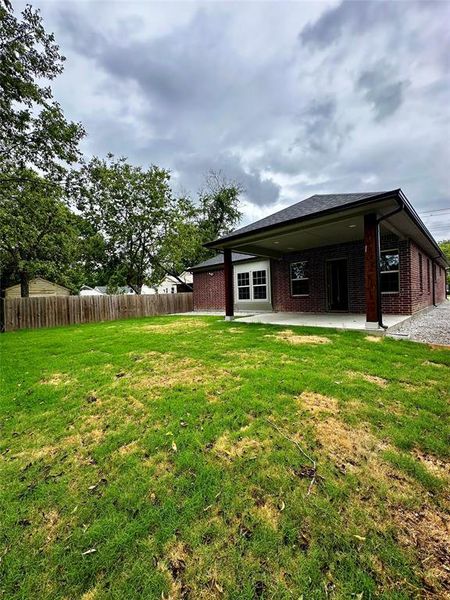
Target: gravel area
x,y
432,327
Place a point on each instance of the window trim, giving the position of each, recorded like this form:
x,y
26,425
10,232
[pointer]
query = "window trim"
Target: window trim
x,y
386,251
251,287
291,280
238,287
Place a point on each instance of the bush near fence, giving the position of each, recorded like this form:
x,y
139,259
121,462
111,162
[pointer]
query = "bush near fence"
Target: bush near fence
x,y
52,311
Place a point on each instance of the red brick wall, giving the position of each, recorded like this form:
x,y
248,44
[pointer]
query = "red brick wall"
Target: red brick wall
x,y
209,290
398,303
422,295
316,301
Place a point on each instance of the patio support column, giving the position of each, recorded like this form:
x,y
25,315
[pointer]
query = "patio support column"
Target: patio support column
x,y
228,275
371,271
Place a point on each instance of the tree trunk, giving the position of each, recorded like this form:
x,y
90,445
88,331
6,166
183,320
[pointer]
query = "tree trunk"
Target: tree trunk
x,y
24,285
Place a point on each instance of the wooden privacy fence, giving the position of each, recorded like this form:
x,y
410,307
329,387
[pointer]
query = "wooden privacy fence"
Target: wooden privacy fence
x,y
51,311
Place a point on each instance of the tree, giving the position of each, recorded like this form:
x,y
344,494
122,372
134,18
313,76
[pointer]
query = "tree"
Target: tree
x,y
34,134
219,202
445,247
38,232
215,214
132,208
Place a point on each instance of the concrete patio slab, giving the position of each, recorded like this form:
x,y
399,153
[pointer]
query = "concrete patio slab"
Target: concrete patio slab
x,y
333,320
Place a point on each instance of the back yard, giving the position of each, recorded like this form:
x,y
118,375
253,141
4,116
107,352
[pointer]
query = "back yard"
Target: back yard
x,y
186,457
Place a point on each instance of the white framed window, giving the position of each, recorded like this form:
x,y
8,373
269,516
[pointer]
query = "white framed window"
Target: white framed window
x,y
252,285
243,286
260,285
299,278
390,271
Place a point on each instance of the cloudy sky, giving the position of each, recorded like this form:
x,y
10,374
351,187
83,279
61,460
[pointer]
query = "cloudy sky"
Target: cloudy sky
x,y
289,98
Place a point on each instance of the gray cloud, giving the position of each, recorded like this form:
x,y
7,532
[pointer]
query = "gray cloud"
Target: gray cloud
x,y
383,93
288,98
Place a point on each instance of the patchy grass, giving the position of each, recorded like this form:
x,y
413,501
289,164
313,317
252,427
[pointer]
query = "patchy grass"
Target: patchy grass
x,y
160,458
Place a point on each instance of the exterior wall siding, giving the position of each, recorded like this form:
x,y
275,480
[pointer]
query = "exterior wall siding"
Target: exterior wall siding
x,y
209,289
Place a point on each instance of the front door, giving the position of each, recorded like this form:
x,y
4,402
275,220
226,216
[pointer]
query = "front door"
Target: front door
x,y
337,286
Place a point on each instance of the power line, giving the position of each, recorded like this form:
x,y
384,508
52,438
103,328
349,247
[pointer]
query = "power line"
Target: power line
x,y
434,210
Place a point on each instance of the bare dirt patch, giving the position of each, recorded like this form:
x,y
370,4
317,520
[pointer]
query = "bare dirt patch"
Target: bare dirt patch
x,y
427,533
174,566
430,363
369,378
292,338
91,594
244,447
268,513
50,524
130,448
57,379
177,326
438,467
160,464
376,339
317,403
344,444
168,370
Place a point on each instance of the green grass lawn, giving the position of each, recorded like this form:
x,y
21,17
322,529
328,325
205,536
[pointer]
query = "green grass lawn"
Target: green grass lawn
x,y
182,457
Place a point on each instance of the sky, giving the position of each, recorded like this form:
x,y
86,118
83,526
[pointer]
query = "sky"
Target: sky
x,y
289,99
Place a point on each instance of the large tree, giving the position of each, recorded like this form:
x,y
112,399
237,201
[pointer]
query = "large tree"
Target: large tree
x,y
132,208
38,233
214,214
34,134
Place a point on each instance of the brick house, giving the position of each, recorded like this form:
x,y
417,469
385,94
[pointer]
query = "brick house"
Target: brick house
x,y
357,253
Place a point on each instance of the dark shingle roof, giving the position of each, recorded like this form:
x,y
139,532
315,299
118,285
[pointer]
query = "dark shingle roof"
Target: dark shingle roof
x,y
218,260
315,204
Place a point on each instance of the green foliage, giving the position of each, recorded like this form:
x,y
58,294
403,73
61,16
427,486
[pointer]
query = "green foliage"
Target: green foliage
x,y
131,208
445,247
33,130
38,233
213,215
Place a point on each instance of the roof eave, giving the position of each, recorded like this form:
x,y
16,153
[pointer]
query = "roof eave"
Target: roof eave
x,y
223,242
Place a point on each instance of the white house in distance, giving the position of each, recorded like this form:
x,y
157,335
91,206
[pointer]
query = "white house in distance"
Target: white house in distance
x,y
102,290
169,285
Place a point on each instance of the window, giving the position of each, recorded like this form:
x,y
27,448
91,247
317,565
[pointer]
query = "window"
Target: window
x,y
252,285
389,271
259,285
299,279
428,275
243,281
420,272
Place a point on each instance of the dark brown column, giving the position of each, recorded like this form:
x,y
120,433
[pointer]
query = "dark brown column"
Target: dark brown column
x,y
371,283
228,275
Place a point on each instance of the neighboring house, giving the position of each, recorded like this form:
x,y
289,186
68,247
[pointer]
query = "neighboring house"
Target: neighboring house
x,y
38,287
171,285
85,290
102,290
359,253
